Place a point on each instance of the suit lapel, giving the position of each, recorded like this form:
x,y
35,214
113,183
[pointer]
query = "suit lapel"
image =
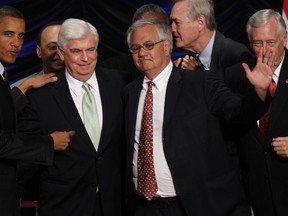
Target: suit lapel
x,y
133,100
66,104
172,95
281,95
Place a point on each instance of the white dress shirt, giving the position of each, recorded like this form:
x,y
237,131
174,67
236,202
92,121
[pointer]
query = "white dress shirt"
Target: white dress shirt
x,y
77,92
162,172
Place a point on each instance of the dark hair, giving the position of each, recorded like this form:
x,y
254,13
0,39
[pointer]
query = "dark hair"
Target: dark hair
x,y
150,8
6,10
39,36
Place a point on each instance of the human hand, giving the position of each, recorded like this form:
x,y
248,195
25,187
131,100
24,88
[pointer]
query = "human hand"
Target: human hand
x,y
280,145
186,63
37,81
261,76
61,139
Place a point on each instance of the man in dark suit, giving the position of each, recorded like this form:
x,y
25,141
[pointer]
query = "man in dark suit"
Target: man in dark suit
x,y
38,149
190,172
263,158
195,30
86,178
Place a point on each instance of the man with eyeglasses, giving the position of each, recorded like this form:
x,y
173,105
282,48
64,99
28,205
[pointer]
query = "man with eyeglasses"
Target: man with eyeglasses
x,y
264,149
177,161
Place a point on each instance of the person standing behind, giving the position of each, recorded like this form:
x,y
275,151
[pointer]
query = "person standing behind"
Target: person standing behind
x,y
46,50
14,146
177,162
264,155
194,29
86,179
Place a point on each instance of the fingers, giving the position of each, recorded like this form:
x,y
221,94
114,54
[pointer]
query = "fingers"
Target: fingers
x,y
189,63
280,145
177,62
246,68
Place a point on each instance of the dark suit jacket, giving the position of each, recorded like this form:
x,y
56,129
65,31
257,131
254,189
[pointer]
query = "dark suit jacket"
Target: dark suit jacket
x,y
12,149
265,174
226,53
69,186
201,168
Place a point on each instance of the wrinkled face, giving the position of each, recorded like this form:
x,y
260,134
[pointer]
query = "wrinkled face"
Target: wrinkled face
x,y
12,33
80,57
267,37
185,31
153,60
47,50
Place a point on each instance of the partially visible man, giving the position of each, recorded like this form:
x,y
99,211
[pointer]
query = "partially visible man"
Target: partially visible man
x,y
46,50
264,149
194,29
177,161
86,179
30,148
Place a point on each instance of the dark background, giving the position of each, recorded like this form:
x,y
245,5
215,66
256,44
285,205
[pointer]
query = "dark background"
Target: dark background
x,y
112,18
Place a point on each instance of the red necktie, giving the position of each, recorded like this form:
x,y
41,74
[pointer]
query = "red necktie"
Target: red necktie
x,y
147,184
264,120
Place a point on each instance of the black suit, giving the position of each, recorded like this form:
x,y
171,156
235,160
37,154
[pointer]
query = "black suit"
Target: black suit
x,y
201,168
69,186
265,174
12,149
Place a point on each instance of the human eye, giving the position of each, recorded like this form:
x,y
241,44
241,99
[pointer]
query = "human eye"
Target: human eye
x,y
8,33
75,51
271,43
258,43
135,48
148,45
91,50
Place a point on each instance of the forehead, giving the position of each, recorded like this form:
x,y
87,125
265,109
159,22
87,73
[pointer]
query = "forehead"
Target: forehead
x,y
82,43
145,33
50,30
267,31
152,15
179,10
13,24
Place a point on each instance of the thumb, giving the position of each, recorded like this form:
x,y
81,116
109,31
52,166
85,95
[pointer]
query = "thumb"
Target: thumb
x,y
71,133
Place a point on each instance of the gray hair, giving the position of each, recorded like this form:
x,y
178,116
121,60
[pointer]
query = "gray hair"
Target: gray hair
x,y
261,18
204,8
150,8
72,29
7,10
164,32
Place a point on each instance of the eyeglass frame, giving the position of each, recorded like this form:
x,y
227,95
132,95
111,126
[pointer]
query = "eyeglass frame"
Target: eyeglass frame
x,y
144,46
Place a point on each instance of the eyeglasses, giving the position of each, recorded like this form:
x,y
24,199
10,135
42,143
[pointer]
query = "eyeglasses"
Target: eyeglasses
x,y
148,45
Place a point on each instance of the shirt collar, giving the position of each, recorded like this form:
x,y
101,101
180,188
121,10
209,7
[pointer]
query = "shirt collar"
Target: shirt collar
x,y
161,79
205,55
76,85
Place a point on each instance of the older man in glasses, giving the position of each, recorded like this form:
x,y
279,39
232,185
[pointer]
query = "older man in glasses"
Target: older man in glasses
x,y
177,162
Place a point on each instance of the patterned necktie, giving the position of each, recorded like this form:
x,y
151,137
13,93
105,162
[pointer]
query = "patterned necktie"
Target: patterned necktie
x,y
147,184
264,120
90,115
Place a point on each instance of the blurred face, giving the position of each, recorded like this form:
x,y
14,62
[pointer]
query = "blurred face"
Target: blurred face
x,y
150,15
47,50
185,31
12,33
153,60
267,37
80,57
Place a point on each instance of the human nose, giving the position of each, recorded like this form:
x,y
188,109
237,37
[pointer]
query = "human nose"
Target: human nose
x,y
16,42
84,56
